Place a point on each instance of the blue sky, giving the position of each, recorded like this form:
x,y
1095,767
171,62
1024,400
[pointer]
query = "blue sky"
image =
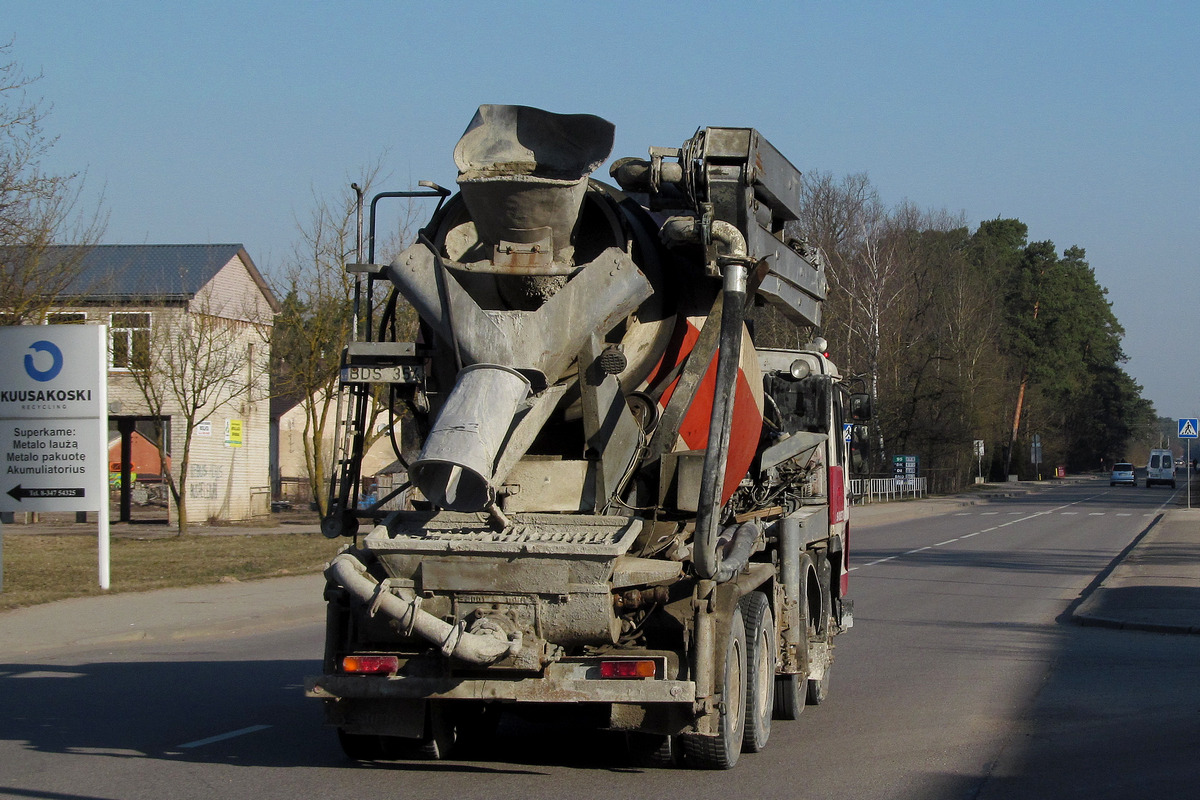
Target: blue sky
x,y
218,121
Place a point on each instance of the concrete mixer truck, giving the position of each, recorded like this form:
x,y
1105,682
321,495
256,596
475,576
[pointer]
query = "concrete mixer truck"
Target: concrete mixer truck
x,y
620,505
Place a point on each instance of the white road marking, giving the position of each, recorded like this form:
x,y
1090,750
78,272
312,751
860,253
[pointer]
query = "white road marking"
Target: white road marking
x,y
989,530
223,736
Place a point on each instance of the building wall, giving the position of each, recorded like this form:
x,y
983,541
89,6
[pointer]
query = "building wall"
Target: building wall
x,y
228,479
292,468
234,294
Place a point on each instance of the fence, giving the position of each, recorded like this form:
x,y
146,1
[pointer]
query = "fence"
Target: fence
x,y
881,490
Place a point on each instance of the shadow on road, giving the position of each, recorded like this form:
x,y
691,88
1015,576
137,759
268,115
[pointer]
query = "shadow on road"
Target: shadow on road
x,y
180,710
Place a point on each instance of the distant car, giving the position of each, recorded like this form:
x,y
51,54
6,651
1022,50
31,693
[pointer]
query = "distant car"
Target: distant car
x,y
1122,473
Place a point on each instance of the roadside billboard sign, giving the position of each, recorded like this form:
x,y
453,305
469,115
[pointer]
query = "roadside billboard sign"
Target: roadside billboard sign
x,y
53,408
54,422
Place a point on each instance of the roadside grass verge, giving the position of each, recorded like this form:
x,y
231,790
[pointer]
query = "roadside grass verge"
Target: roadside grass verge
x,y
43,568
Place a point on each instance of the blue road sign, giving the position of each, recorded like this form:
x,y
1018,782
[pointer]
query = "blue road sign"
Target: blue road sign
x,y
1187,428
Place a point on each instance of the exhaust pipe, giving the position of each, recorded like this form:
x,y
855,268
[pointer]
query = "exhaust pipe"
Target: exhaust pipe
x,y
480,649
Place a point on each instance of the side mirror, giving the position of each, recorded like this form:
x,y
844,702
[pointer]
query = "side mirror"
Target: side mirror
x,y
860,407
860,449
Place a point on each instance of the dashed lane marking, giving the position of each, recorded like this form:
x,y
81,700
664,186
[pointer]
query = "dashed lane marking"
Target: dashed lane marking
x,y
223,736
1025,518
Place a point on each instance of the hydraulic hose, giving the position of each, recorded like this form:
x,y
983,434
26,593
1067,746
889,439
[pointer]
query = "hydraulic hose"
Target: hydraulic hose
x,y
743,539
712,476
479,649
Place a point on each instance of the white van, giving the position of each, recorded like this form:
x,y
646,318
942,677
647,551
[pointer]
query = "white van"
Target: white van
x,y
1161,468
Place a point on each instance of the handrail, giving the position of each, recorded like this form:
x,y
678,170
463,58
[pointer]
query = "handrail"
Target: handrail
x,y
883,490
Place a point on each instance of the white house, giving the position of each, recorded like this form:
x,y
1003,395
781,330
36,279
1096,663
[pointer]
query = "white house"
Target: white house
x,y
200,316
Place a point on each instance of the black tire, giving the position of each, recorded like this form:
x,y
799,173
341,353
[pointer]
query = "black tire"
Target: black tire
x,y
791,690
436,744
790,696
761,658
475,725
654,750
821,634
441,733
722,751
818,690
360,746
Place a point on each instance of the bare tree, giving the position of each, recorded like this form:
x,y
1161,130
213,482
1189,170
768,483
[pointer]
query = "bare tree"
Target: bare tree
x,y
37,208
317,319
196,361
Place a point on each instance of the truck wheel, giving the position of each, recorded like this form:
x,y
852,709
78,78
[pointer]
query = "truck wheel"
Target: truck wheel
x,y
476,726
818,690
440,732
654,750
791,690
760,671
789,696
360,746
722,751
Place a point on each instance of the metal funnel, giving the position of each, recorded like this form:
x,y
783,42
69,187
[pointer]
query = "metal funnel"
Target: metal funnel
x,y
456,464
523,173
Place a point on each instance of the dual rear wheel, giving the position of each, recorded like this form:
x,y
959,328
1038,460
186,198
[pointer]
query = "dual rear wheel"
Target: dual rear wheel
x,y
746,689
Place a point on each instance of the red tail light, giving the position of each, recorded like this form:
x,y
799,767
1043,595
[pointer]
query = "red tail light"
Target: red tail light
x,y
370,665
627,669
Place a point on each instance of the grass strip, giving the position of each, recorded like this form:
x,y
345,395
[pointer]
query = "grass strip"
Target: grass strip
x,y
44,568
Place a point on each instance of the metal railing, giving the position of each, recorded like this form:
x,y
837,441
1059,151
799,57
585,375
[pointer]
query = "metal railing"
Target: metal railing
x,y
882,490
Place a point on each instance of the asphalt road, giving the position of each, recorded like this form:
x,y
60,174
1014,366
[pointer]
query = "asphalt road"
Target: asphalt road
x,y
962,678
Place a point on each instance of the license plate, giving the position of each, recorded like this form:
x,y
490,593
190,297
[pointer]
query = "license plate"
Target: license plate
x,y
400,374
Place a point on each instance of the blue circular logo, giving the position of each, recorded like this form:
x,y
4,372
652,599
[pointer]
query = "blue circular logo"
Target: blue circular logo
x,y
56,361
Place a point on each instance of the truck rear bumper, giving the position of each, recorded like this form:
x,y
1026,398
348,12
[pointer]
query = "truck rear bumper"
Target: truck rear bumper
x,y
517,690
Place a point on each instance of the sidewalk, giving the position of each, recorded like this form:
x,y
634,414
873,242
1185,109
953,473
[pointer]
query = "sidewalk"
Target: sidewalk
x,y
1155,585
86,623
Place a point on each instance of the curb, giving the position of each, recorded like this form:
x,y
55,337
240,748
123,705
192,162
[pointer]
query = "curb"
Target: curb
x,y
1122,576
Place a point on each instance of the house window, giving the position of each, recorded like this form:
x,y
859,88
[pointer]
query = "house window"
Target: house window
x,y
66,318
129,340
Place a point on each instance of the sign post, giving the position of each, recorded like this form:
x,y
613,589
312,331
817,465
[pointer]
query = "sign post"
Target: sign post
x,y
1187,432
54,423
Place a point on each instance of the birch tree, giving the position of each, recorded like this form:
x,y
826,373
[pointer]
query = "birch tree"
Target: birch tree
x,y
318,319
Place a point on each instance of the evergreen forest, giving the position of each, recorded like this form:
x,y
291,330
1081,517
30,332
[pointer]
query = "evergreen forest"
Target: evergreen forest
x,y
963,335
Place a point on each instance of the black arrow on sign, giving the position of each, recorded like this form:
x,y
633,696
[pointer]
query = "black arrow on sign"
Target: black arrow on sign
x,y
19,494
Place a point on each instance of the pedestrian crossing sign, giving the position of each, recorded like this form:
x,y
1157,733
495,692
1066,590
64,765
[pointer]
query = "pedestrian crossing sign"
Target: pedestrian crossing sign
x,y
1187,428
